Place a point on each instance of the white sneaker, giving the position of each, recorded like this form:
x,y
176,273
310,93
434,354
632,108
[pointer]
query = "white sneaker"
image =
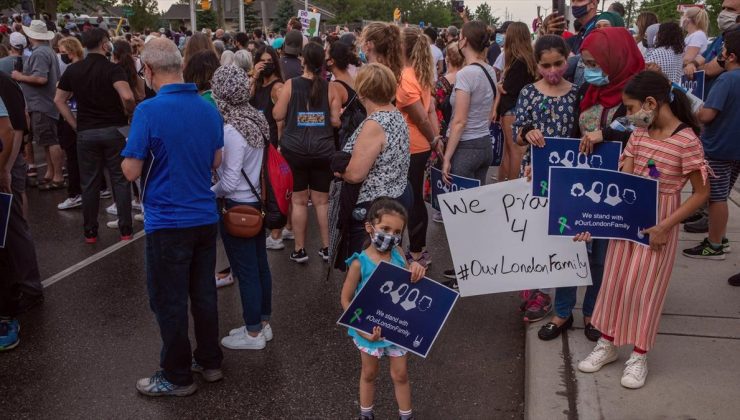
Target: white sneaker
x,y
112,224
112,209
139,217
224,281
136,205
266,331
288,234
604,353
244,342
635,371
70,203
275,244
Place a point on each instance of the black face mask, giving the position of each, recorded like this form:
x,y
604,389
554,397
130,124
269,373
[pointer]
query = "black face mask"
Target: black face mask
x,y
721,60
268,70
65,58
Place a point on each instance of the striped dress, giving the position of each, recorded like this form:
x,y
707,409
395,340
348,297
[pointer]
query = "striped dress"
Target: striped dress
x,y
636,278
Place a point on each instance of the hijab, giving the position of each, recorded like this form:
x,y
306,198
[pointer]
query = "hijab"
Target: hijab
x,y
615,51
616,20
231,86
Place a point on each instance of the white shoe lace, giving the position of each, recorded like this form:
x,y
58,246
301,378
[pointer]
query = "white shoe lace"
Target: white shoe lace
x,y
598,354
636,367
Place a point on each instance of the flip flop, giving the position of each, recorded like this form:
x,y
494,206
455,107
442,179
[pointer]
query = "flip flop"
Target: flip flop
x,y
52,186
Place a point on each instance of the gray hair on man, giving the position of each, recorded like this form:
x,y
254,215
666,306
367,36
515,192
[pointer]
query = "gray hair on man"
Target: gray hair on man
x,y
243,60
162,56
219,46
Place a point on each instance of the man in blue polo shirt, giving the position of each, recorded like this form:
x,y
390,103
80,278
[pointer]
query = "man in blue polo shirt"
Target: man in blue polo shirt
x,y
174,159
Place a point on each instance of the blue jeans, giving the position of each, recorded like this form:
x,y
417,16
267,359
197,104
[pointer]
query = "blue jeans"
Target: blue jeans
x,y
565,297
248,260
180,264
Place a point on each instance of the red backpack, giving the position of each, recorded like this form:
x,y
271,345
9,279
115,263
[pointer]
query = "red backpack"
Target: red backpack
x,y
279,188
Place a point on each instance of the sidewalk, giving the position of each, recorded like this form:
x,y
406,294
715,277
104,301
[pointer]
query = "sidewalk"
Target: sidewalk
x,y
693,369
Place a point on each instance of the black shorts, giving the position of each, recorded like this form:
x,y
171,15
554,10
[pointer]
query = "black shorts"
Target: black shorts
x,y
309,172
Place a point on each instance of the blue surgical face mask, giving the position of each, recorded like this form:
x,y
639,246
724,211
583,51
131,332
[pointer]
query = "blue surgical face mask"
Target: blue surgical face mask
x,y
363,58
500,39
579,11
595,76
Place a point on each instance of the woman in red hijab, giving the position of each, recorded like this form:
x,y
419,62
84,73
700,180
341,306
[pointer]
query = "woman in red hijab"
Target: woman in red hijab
x,y
612,59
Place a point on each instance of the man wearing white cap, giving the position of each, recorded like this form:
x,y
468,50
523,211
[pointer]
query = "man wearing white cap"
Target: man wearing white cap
x,y
38,81
14,60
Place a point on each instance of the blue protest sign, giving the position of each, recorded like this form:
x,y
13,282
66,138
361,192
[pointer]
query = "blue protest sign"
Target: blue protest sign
x,y
695,85
439,186
608,204
564,152
6,200
409,315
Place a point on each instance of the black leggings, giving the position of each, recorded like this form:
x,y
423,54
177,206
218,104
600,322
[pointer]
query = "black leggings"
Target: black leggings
x,y
418,218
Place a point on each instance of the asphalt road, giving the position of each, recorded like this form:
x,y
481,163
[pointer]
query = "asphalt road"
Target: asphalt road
x,y
83,350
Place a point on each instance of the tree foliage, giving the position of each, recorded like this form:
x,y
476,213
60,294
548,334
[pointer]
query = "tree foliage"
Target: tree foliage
x,y
145,14
285,11
483,13
252,17
438,13
206,19
668,10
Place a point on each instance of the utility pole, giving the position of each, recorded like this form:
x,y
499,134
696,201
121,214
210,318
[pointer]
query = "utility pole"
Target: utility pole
x,y
241,15
265,18
193,25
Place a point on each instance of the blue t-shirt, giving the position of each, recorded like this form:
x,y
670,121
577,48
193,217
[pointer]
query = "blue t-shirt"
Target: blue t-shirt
x,y
367,266
714,50
720,136
176,134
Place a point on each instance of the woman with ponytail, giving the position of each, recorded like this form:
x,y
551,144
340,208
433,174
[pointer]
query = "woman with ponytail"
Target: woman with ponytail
x,y
414,100
123,55
520,69
664,146
381,43
307,143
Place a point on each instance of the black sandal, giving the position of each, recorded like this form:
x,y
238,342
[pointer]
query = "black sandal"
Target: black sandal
x,y
591,332
551,331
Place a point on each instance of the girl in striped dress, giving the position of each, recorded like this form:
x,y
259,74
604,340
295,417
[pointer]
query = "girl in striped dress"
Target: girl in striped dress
x,y
663,146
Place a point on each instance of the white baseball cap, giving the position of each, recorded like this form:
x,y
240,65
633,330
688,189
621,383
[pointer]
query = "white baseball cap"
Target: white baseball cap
x,y
18,41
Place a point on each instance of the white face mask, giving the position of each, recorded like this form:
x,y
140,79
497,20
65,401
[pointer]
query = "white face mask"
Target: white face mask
x,y
726,19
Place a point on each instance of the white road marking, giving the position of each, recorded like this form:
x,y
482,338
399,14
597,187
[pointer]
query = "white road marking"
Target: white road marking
x,y
89,260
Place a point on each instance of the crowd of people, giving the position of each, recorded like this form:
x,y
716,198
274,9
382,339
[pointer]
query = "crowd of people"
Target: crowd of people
x,y
178,127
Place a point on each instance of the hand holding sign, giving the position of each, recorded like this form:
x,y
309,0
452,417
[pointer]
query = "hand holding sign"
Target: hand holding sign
x,y
390,308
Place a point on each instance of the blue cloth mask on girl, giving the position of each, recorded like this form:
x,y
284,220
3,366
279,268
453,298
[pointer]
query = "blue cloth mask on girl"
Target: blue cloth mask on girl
x,y
595,76
500,39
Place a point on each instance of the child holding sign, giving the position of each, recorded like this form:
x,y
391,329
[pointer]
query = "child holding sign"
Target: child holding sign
x,y
386,221
664,146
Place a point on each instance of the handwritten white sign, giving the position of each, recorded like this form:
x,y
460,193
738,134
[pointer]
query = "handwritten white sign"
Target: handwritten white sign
x,y
499,243
310,22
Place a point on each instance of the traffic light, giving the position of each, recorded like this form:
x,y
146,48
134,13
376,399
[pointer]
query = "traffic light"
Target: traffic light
x,y
205,4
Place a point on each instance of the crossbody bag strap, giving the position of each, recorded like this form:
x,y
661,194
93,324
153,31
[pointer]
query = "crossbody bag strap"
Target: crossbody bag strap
x,y
488,76
254,190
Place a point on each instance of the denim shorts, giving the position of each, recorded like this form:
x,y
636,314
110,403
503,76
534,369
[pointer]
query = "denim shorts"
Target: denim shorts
x,y
390,351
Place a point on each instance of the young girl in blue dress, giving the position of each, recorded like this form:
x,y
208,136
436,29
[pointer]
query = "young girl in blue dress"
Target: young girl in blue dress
x,y
386,221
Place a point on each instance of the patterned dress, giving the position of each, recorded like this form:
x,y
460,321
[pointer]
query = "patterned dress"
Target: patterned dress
x,y
554,116
635,277
387,177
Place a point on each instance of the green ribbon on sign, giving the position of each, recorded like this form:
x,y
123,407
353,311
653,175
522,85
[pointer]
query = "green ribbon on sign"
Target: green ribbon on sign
x,y
356,317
